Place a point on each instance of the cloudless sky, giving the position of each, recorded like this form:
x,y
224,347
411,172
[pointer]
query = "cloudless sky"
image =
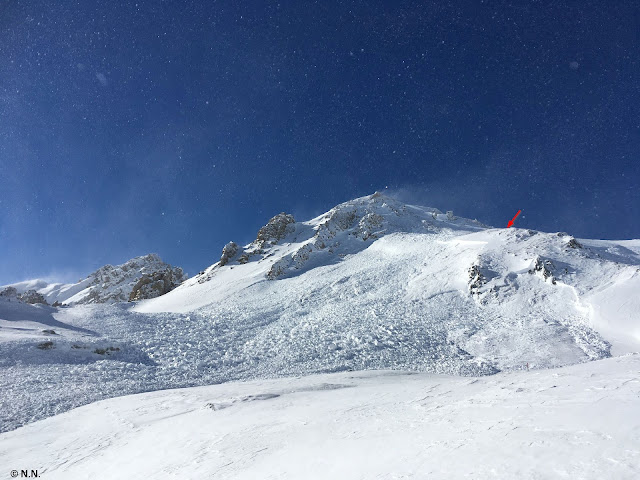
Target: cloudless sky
x,y
176,126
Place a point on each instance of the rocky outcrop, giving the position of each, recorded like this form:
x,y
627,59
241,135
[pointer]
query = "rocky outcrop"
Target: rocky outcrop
x,y
570,242
229,251
30,296
545,268
275,229
9,292
141,277
476,279
573,243
369,225
155,284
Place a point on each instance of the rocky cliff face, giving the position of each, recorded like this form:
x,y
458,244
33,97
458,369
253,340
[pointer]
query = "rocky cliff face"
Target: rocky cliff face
x,y
152,285
138,279
32,297
229,251
274,230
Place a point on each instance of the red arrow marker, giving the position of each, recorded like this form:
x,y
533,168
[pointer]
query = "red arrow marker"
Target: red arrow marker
x,y
514,218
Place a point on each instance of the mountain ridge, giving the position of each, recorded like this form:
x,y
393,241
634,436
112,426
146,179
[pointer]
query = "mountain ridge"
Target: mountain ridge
x,y
510,273
372,284
139,278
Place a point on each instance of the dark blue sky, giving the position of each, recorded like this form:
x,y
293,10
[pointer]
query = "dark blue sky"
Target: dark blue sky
x,y
176,126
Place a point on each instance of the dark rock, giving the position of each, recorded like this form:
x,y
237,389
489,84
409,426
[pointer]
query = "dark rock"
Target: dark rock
x,y
369,225
9,292
32,297
45,345
155,284
573,243
106,351
229,251
476,279
545,267
275,229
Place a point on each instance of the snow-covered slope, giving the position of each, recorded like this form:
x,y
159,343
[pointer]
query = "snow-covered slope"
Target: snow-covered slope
x,y
284,248
575,422
371,284
141,277
374,259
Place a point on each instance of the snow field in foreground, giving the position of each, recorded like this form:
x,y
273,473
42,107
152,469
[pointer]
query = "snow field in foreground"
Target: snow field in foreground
x,y
574,422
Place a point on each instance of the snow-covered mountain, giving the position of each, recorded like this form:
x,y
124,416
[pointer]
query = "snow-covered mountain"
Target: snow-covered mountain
x,y
140,278
371,284
379,271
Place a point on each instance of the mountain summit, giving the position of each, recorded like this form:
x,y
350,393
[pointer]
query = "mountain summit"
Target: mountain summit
x,y
346,229
375,283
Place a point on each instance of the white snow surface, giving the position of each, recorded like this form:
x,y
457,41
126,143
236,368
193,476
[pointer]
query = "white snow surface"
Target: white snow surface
x,y
577,422
372,284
